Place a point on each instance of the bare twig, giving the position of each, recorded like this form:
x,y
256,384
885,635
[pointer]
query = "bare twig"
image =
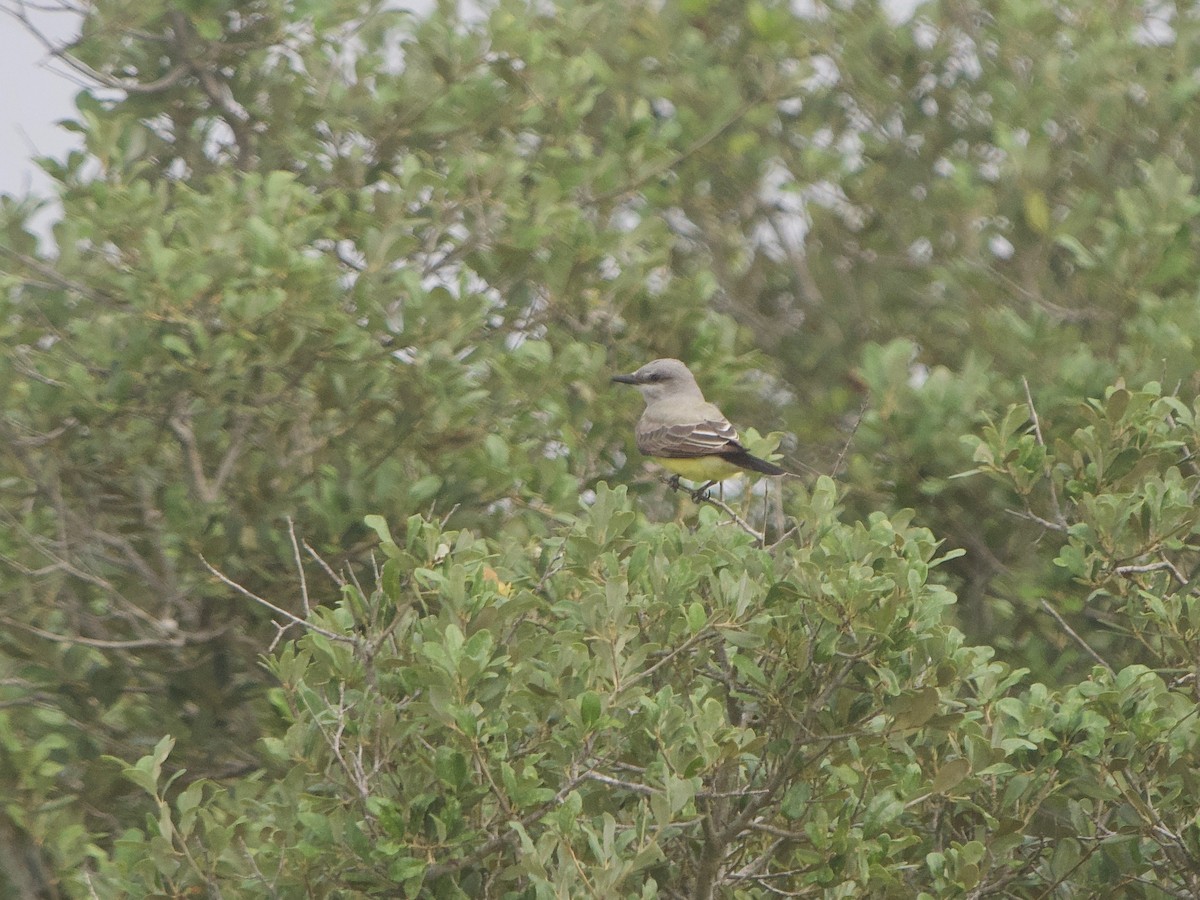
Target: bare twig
x,y
1037,432
291,617
59,52
553,567
446,518
56,278
1079,640
707,497
59,565
1153,567
795,529
758,536
352,763
280,631
182,426
632,787
862,411
237,440
299,567
701,635
1034,517
181,639
333,576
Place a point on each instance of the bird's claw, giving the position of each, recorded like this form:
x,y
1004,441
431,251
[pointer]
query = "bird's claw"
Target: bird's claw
x,y
699,495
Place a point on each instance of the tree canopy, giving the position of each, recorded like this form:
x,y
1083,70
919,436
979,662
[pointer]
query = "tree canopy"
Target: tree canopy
x,y
328,567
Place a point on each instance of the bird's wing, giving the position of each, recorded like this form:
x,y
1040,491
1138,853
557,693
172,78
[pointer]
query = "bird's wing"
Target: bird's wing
x,y
710,437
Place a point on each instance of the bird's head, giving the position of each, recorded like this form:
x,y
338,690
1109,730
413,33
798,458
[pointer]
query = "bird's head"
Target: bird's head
x,y
663,378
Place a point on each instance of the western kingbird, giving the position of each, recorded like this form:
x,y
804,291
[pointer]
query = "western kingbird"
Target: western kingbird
x,y
683,432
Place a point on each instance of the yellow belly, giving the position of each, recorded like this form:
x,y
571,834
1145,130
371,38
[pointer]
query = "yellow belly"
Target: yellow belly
x,y
701,468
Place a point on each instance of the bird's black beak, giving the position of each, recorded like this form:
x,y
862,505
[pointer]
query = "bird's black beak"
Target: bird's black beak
x,y
626,379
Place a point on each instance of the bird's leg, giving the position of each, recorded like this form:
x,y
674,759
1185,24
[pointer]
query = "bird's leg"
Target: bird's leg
x,y
699,495
673,482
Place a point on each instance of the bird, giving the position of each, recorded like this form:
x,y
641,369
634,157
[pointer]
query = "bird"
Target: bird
x,y
684,433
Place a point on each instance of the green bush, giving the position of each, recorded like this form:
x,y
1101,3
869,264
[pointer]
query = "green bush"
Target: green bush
x,y
314,261
625,709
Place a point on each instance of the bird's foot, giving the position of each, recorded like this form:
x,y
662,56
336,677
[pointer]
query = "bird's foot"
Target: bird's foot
x,y
673,482
701,493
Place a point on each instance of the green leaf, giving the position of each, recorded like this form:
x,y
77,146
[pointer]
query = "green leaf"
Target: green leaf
x,y
950,775
589,708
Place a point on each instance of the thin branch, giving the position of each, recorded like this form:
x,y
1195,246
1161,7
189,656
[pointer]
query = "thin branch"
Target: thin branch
x,y
35,439
291,617
862,411
351,765
62,564
437,870
657,169
702,634
299,567
632,787
1031,516
187,439
182,640
334,576
1079,640
1037,432
218,92
170,79
130,555
237,441
55,277
707,497
1153,567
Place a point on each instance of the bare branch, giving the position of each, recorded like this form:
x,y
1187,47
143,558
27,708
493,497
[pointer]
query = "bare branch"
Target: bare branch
x,y
187,439
1031,516
54,277
218,92
333,576
181,639
59,51
1037,432
237,440
291,617
1153,567
632,787
299,567
703,496
1079,640
701,635
862,411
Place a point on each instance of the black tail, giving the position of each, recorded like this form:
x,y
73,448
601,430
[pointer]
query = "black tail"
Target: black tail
x,y
753,463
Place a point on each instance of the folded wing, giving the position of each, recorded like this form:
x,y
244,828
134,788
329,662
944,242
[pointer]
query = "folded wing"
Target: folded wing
x,y
713,437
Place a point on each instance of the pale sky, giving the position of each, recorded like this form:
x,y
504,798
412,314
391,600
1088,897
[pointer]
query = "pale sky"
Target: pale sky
x,y
34,100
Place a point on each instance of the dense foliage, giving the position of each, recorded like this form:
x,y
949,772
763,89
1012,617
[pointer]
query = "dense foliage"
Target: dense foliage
x,y
329,273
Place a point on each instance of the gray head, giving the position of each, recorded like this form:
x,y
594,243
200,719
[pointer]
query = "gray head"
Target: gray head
x,y
663,378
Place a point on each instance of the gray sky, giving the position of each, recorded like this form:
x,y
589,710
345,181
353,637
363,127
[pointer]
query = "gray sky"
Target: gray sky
x,y
35,98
